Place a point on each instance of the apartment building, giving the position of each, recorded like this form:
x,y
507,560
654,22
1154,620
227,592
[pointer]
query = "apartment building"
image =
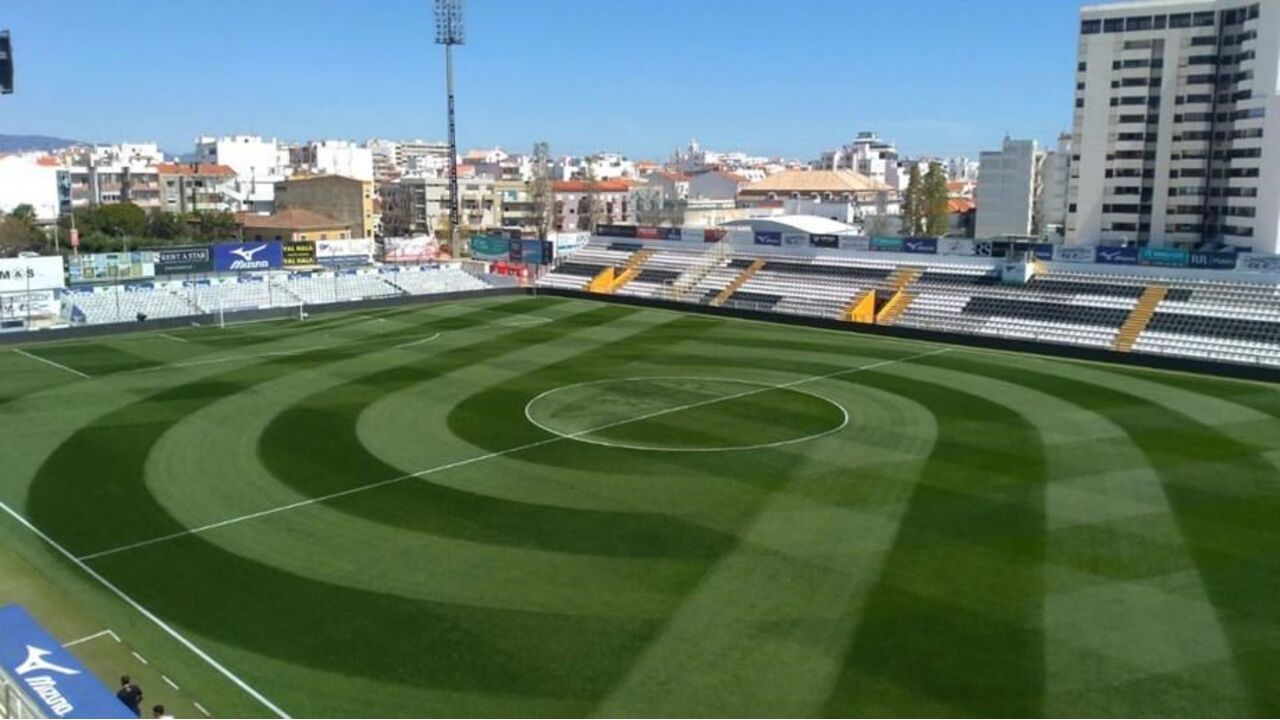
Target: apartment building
x,y
349,201
1008,189
1176,131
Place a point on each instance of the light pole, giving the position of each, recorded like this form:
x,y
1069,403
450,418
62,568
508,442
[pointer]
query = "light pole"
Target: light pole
x,y
449,33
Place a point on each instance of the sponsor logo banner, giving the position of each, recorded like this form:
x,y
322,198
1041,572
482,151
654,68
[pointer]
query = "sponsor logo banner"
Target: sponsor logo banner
x,y
795,239
824,241
1163,257
37,303
48,674
886,244
855,242
1117,255
1073,253
176,260
670,233
238,257
569,242
1212,260
299,254
531,252
622,231
1257,262
768,238
491,247
24,274
955,246
352,249
415,249
714,235
920,245
95,267
645,232
1042,251
693,234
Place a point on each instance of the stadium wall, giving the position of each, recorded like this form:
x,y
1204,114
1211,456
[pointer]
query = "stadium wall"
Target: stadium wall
x,y
1160,362
240,316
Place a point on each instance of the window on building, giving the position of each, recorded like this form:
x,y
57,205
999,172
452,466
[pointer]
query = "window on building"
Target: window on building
x,y
1113,25
1080,67
1202,19
1090,27
1137,24
1180,20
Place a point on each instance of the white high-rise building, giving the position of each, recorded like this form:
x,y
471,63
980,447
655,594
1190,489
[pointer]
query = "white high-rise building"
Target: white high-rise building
x,y
1176,132
1008,186
1055,173
870,156
259,164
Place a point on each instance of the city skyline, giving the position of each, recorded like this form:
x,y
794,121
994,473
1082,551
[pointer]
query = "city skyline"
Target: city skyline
x,y
953,85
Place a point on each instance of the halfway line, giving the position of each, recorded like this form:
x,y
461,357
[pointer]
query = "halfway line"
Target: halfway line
x,y
487,456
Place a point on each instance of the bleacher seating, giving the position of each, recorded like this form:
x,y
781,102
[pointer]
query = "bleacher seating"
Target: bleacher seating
x,y
120,303
1218,317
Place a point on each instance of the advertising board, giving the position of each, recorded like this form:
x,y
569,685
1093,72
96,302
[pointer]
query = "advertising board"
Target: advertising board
x,y
239,257
299,254
183,260
25,274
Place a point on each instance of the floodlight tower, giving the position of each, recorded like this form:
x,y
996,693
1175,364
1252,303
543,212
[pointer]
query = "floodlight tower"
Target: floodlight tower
x,y
449,33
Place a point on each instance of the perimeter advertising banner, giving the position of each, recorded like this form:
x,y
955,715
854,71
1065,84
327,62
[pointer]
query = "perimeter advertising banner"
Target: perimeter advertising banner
x,y
345,250
1117,255
886,244
795,239
955,246
25,274
622,231
48,674
672,234
299,254
692,234
855,242
824,241
769,237
645,232
414,249
1212,260
37,303
1042,251
491,248
714,235
1257,262
928,246
240,257
1163,257
1074,253
183,260
96,267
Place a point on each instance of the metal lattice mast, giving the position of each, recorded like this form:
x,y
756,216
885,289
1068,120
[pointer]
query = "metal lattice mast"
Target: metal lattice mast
x,y
449,32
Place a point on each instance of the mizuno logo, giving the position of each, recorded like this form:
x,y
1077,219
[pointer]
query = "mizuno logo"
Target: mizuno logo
x,y
1109,254
35,661
248,254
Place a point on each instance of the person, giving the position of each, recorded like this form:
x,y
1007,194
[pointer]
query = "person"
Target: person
x,y
158,712
130,694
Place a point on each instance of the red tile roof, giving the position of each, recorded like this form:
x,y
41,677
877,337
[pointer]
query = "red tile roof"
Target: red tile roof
x,y
291,219
960,205
583,186
194,169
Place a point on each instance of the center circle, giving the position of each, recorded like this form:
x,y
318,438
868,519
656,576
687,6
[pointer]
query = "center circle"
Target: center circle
x,y
685,414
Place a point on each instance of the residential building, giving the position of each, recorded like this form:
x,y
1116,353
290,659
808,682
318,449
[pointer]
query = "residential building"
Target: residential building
x,y
292,225
1176,131
420,205
962,169
1056,174
346,200
573,199
257,165
82,186
844,196
696,159
674,185
514,206
332,157
30,179
715,185
196,187
1007,189
867,155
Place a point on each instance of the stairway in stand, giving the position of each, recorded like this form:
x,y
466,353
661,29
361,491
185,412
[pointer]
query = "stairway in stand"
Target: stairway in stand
x,y
1139,318
732,287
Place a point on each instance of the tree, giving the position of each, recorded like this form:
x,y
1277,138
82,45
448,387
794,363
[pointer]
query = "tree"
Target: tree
x,y
214,225
24,213
936,215
121,220
590,209
165,226
542,192
913,202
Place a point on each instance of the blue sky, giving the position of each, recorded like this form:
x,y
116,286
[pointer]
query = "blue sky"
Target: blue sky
x,y
774,78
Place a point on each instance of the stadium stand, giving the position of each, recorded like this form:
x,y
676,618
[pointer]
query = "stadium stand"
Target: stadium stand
x,y
1218,317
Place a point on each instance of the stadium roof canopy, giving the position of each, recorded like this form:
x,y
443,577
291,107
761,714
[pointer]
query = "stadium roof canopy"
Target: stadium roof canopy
x,y
794,224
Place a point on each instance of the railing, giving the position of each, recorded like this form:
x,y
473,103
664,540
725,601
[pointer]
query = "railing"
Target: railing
x,y
13,703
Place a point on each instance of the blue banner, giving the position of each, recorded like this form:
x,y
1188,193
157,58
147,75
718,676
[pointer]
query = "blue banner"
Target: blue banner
x,y
1117,255
528,251
824,241
1212,260
670,233
48,674
1163,257
769,238
928,246
237,257
490,247
1042,251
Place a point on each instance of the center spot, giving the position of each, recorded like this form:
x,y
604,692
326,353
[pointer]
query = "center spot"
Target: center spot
x,y
685,414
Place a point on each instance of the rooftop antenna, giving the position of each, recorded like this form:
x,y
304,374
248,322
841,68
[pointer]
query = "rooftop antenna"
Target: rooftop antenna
x,y
449,32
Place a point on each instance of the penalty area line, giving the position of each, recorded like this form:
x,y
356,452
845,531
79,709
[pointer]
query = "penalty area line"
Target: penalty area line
x,y
47,361
480,458
164,626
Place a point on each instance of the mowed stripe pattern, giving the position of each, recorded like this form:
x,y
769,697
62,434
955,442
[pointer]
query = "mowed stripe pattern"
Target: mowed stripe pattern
x,y
989,534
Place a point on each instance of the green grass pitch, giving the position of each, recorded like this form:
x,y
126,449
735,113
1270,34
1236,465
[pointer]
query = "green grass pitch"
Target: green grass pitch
x,y
541,506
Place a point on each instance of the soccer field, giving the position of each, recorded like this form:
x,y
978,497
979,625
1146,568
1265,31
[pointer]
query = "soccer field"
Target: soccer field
x,y
542,506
